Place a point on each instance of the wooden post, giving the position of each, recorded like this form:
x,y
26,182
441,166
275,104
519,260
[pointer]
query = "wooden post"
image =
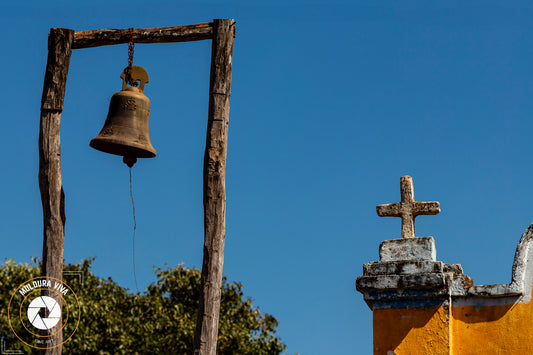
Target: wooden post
x,y
53,199
205,339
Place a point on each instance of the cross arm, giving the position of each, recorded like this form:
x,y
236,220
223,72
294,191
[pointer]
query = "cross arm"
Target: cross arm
x,y
426,208
388,210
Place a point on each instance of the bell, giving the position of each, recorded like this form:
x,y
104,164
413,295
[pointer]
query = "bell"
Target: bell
x,y
125,129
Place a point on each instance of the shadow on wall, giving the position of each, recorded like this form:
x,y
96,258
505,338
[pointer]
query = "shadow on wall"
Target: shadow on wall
x,y
403,321
480,314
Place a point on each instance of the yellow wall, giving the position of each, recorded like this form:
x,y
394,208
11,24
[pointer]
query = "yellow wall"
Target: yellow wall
x,y
506,329
498,329
413,331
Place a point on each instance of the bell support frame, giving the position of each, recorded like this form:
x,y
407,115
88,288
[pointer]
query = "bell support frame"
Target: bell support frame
x,y
61,41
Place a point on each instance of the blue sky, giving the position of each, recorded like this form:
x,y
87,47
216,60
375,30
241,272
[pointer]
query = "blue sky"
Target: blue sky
x,y
331,103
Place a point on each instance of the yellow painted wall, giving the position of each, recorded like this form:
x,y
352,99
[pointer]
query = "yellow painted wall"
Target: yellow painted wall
x,y
489,330
483,330
412,331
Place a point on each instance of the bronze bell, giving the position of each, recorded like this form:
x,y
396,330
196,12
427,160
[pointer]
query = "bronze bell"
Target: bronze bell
x,y
125,129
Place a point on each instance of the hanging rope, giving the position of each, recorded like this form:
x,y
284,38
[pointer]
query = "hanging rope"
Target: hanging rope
x,y
131,82
134,229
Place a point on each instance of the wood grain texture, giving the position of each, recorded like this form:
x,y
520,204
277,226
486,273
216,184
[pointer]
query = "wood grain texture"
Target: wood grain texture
x,y
205,340
105,37
52,196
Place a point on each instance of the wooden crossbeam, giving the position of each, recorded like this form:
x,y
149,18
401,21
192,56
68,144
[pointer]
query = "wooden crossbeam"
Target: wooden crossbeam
x,y
106,37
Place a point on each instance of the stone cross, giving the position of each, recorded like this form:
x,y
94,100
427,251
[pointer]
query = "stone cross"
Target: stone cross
x,y
408,208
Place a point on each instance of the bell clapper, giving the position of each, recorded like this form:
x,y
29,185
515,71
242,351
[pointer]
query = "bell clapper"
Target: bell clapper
x,y
129,160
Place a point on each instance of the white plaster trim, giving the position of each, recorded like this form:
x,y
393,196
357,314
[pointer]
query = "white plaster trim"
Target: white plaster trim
x,y
522,268
520,286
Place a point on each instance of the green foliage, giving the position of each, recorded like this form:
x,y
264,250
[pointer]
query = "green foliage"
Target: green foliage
x,y
11,276
160,321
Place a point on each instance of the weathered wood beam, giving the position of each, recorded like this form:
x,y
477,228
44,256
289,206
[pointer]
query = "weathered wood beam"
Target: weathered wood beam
x,y
96,38
205,340
52,196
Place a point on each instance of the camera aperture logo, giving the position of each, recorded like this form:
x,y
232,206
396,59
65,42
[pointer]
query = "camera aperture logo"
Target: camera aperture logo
x,y
41,308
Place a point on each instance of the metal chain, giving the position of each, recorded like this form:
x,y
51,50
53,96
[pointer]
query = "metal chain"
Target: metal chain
x,y
131,46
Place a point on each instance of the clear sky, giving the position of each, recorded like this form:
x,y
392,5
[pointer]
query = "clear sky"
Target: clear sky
x,y
332,101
